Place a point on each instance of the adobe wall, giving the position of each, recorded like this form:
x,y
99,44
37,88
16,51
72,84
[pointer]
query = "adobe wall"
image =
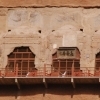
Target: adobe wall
x,y
45,28
45,25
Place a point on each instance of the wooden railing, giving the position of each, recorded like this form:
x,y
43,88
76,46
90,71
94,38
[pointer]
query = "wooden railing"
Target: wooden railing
x,y
51,72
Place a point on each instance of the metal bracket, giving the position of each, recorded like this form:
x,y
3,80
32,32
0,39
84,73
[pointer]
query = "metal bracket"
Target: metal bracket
x,y
16,81
45,83
72,81
99,79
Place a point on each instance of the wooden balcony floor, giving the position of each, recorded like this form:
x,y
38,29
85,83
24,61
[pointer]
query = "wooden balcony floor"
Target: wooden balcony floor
x,y
49,80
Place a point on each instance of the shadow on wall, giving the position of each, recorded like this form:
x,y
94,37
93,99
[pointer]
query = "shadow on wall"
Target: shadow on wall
x,y
58,90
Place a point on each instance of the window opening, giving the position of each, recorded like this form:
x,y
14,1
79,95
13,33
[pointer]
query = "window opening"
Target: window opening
x,y
97,61
23,58
66,58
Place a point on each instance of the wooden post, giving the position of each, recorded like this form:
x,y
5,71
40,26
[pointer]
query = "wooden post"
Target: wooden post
x,y
99,71
66,65
73,69
44,71
59,67
16,70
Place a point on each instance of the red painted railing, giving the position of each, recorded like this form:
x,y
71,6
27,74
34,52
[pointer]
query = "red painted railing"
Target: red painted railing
x,y
51,72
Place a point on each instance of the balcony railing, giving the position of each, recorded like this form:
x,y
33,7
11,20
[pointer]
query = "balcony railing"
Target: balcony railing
x,y
51,72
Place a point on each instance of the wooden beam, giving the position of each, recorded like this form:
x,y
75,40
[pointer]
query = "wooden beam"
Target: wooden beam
x,y
72,81
45,83
16,81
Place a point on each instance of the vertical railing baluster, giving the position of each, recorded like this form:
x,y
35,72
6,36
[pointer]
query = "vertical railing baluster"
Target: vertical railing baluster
x,y
72,69
59,67
16,69
44,70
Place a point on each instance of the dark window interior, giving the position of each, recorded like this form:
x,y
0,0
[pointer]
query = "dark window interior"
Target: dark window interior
x,y
97,62
65,64
23,58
